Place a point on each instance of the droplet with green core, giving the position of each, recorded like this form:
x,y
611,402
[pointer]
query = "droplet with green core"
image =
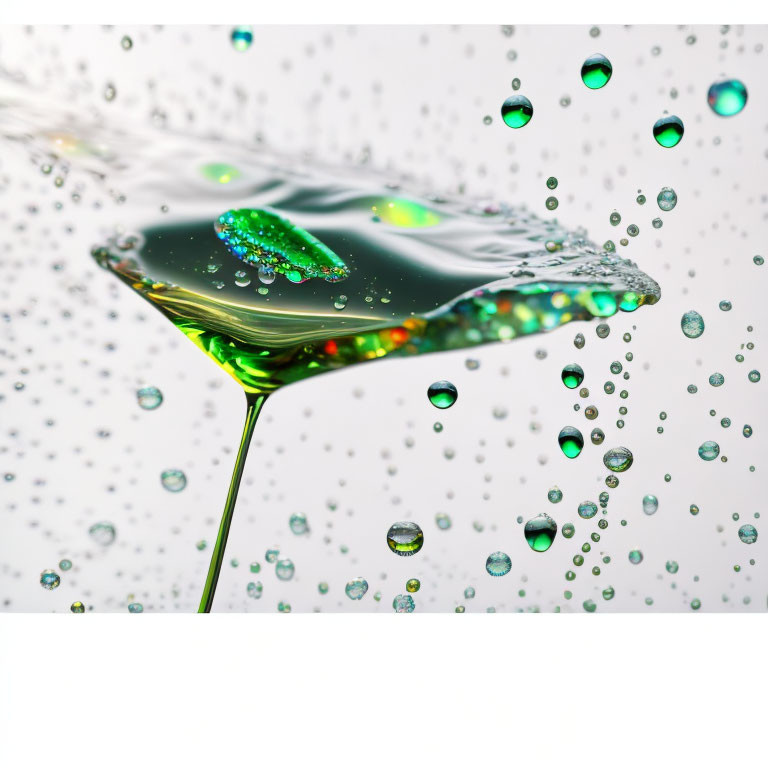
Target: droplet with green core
x,y
442,394
572,375
405,539
668,131
596,71
727,98
517,111
540,532
571,441
242,37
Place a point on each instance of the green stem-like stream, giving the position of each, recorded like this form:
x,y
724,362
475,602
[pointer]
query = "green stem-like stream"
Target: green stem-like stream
x,y
255,403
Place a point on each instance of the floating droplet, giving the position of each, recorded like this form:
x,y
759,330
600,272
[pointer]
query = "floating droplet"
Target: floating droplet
x,y
709,450
717,379
405,539
747,431
667,199
356,588
668,131
596,71
254,589
540,532
498,564
597,436
635,557
551,203
587,509
672,566
413,585
748,534
571,441
551,183
65,565
692,324
650,504
242,37
298,523
272,554
555,495
443,521
727,98
572,375
135,608
126,43
517,111
49,579
149,398
285,569
579,341
110,92
442,394
173,480
618,459
102,533
754,376
403,604
725,305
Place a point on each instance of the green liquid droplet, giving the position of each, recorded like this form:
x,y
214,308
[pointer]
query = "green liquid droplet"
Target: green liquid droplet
x,y
571,441
442,394
498,564
668,131
517,111
692,324
540,532
242,37
727,98
572,375
405,539
596,71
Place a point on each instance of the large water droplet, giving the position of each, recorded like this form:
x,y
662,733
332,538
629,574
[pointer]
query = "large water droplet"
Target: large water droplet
x,y
442,394
571,441
405,539
668,131
596,71
540,532
517,111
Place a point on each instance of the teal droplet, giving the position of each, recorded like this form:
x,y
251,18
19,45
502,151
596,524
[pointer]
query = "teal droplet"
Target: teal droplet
x,y
285,569
173,480
517,111
442,394
748,534
692,324
405,539
298,523
672,566
555,495
727,98
596,71
572,375
635,557
668,131
650,504
149,398
667,199
135,608
498,564
709,450
618,459
356,589
403,604
49,579
65,564
587,509
102,533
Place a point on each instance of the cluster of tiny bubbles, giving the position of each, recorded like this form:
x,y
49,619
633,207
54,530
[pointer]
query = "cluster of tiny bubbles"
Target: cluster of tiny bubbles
x,y
579,341
635,557
754,376
668,131
603,330
692,324
551,203
571,441
298,523
242,37
49,579
572,375
709,450
596,71
555,495
469,593
135,608
405,538
666,199
77,607
442,394
551,183
540,532
284,569
748,534
442,521
65,565
102,533
597,436
727,98
587,509
412,585
272,554
618,459
173,480
149,398
254,589
498,564
615,218
517,111
650,504
403,604
356,589
717,379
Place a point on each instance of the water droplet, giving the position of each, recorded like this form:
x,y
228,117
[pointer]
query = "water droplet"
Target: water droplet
x,y
413,585
77,607
597,436
442,521
517,111
748,534
498,564
102,533
650,504
747,431
110,92
754,376
717,379
405,539
596,71
555,495
356,588
572,375
603,330
272,554
727,98
667,199
579,341
615,218
242,37
551,183
298,523
50,579
135,608
657,223
759,260
640,199
672,566
442,394
149,398
403,604
285,569
635,557
633,230
618,459
725,305
709,450
173,480
126,43
65,565
540,532
692,324
571,441
551,203
587,509
668,131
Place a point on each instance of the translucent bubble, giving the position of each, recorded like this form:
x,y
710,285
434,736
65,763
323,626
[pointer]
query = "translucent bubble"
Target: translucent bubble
x,y
618,459
727,98
668,131
298,523
405,539
403,604
110,92
469,593
759,260
596,71
173,480
135,608
356,589
587,509
633,230
517,111
650,504
443,521
603,330
49,579
254,589
149,398
572,375
640,199
272,554
571,441
65,565
747,431
657,223
748,534
635,557
754,376
579,341
540,532
487,120
442,394
255,567
498,564
551,203
340,302
692,324
516,83
77,607
126,43
725,305
285,569
242,37
597,436
102,533
717,379
667,199
709,450
615,218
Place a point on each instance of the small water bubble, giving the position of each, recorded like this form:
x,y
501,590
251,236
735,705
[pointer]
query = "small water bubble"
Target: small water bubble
x,y
103,533
126,43
596,71
405,538
173,480
284,569
149,398
517,111
692,324
668,131
403,604
110,92
49,579
650,504
666,199
709,450
498,564
356,589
